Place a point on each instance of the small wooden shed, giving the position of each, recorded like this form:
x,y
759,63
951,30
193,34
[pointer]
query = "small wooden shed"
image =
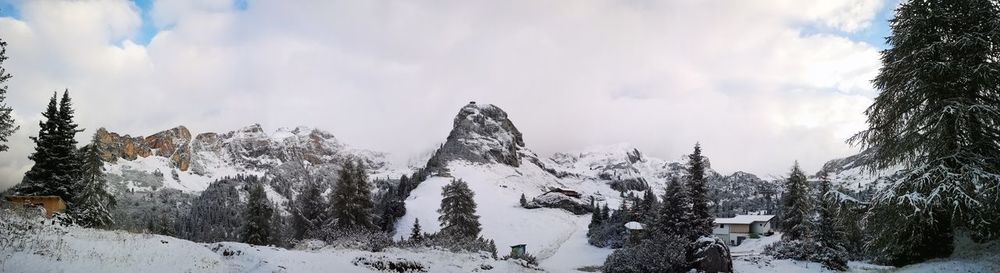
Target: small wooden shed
x,y
50,203
517,250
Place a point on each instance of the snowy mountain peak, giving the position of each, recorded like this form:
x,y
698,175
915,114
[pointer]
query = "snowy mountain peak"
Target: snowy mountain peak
x,y
481,133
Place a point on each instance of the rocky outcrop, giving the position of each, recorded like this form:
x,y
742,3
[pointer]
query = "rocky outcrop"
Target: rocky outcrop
x,y
560,201
172,144
481,133
246,148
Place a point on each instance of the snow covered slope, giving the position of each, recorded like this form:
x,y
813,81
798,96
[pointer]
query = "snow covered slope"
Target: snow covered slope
x,y
53,248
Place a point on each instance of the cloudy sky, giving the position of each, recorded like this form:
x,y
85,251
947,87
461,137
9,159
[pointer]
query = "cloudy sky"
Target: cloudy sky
x,y
759,83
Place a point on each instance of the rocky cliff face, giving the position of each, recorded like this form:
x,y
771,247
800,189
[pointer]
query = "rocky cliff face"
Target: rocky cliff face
x,y
172,144
481,133
173,159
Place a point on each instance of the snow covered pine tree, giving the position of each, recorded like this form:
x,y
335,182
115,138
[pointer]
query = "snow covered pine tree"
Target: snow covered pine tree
x,y
7,126
257,218
93,204
937,117
56,168
458,211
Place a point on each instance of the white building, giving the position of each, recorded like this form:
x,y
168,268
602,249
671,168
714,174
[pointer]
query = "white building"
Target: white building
x,y
735,230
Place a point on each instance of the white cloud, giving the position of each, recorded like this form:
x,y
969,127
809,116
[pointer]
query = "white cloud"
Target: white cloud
x,y
740,76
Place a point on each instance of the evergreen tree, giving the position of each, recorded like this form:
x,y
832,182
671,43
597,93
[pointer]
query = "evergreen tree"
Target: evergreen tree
x,y
649,206
217,214
493,249
595,220
404,187
936,116
257,218
281,232
797,211
308,211
416,234
93,204
351,199
524,201
458,211
41,178
7,124
703,218
831,233
675,216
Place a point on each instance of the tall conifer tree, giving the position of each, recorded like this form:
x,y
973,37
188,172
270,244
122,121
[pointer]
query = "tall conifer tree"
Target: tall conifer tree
x,y
7,124
308,211
458,211
257,216
703,218
93,204
937,116
39,179
796,218
351,199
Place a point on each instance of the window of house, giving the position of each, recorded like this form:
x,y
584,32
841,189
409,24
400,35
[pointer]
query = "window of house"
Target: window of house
x,y
722,226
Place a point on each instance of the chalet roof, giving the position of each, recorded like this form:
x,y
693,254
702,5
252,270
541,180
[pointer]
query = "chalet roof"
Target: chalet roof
x,y
744,219
633,225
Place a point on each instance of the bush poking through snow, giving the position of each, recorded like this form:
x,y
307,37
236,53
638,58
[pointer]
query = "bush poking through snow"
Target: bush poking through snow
x,y
528,259
383,264
363,239
808,250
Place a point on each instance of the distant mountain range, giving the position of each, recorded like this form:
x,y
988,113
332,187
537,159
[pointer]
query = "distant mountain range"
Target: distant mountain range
x,y
484,139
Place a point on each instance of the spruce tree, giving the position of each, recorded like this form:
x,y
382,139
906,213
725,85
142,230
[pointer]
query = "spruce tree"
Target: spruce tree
x,y
351,199
308,211
257,225
93,204
796,210
416,234
595,219
696,187
675,216
649,206
39,179
458,211
7,123
523,201
830,233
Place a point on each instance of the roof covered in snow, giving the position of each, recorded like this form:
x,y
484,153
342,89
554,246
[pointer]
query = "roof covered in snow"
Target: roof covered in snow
x,y
744,219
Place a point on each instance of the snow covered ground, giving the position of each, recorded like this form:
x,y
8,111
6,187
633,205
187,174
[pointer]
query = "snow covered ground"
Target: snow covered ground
x,y
968,258
547,232
74,249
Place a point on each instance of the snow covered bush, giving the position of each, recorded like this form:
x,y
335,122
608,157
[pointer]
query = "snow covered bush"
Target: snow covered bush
x,y
27,230
385,264
528,259
363,239
808,250
661,254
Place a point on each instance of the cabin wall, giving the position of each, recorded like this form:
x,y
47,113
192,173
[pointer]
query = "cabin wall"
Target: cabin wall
x,y
739,228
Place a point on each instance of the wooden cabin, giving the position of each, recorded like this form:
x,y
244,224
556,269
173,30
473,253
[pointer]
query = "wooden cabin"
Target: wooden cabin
x,y
51,203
